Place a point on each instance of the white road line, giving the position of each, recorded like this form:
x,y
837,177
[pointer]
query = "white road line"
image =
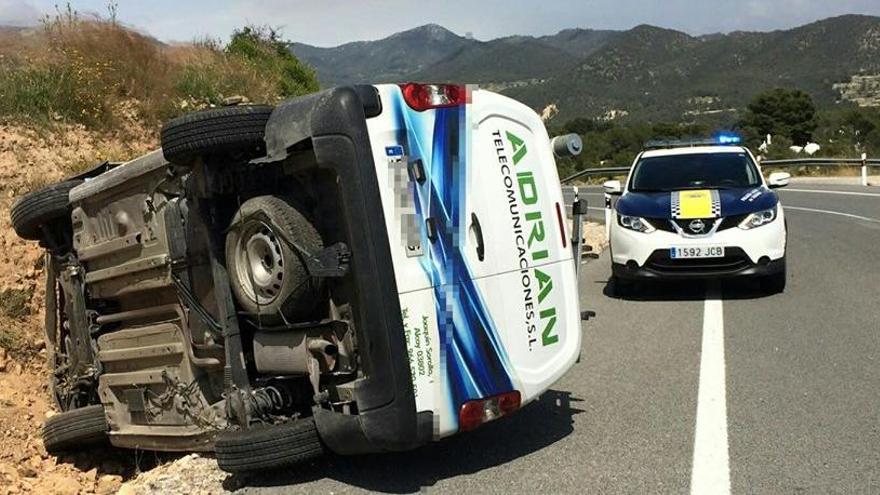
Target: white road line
x,y
829,212
711,470
824,191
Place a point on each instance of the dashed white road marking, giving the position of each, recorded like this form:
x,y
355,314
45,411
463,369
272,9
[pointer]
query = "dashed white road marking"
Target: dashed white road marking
x,y
829,212
710,473
825,191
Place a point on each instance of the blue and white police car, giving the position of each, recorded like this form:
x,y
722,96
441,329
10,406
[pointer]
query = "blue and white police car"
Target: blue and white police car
x,y
697,209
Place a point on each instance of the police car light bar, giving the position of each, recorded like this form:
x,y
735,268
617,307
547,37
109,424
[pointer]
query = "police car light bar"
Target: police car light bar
x,y
719,140
728,139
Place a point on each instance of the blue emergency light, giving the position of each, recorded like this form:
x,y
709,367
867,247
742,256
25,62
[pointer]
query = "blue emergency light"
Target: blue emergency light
x,y
720,139
725,138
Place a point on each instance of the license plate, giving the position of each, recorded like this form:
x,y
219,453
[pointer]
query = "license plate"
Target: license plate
x,y
697,252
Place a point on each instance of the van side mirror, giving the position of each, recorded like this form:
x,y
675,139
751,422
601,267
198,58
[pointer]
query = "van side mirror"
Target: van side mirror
x,y
613,187
778,179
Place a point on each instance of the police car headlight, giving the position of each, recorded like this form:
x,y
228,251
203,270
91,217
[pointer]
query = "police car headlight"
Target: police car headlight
x,y
635,223
758,218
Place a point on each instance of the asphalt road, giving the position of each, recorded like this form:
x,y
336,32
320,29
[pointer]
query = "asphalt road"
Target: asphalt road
x,y
801,371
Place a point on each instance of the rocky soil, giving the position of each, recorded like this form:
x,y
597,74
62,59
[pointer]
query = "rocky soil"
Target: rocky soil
x,y
29,159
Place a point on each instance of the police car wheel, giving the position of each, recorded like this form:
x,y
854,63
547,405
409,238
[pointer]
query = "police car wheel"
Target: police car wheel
x,y
773,284
621,287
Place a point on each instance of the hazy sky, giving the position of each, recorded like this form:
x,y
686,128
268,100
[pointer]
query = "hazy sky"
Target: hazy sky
x,y
332,22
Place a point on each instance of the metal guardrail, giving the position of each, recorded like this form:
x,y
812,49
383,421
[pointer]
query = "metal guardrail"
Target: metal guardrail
x,y
864,162
596,172
823,162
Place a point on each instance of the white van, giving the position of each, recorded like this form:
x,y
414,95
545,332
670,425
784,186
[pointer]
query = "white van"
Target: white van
x,y
364,269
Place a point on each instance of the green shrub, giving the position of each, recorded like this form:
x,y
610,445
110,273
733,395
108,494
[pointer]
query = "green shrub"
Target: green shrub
x,y
98,73
270,56
15,303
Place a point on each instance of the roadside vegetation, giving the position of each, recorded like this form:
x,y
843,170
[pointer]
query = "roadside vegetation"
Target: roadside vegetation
x,y
95,72
790,116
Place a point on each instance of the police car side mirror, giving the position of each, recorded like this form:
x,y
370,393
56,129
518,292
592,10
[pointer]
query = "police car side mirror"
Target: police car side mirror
x,y
778,179
613,187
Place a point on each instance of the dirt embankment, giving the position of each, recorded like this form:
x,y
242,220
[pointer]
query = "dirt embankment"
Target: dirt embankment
x,y
30,159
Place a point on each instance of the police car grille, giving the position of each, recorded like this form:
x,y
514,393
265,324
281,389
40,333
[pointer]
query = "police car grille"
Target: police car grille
x,y
684,225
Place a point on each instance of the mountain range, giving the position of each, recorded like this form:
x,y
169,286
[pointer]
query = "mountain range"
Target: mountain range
x,y
646,72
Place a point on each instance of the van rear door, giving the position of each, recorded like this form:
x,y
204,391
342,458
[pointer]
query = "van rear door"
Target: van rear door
x,y
483,266
526,274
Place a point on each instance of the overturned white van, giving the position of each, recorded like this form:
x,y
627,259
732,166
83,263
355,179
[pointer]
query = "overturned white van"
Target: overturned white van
x,y
364,269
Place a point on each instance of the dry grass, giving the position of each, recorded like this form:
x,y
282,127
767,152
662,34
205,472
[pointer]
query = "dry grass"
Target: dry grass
x,y
100,74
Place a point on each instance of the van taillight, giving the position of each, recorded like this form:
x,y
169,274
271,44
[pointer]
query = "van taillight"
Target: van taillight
x,y
422,97
473,413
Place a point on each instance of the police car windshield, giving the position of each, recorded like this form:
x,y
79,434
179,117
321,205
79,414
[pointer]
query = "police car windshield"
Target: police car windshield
x,y
694,171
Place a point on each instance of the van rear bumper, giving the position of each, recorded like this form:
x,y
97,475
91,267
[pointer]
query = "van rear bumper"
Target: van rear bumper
x,y
334,121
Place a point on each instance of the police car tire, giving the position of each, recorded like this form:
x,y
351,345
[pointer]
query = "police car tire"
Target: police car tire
x,y
233,133
622,288
43,207
269,447
75,429
774,284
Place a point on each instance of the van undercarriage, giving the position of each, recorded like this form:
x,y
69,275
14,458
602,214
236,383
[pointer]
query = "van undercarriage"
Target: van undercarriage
x,y
142,317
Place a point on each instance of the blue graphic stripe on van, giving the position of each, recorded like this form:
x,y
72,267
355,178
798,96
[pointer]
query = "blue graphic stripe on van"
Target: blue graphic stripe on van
x,y
476,364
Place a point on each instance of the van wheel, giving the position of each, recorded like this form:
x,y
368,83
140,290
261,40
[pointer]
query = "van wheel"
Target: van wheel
x,y
266,269
75,429
48,207
268,447
236,133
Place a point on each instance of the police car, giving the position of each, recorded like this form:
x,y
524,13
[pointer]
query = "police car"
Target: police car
x,y
697,209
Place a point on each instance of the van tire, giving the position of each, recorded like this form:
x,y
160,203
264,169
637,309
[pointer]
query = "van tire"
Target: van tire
x,y
75,429
264,228
42,207
234,133
269,447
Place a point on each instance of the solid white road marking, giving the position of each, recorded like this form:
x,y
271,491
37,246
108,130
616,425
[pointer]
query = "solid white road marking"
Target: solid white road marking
x,y
824,191
710,473
829,212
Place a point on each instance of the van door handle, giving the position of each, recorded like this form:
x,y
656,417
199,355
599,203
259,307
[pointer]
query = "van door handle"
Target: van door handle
x,y
478,233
